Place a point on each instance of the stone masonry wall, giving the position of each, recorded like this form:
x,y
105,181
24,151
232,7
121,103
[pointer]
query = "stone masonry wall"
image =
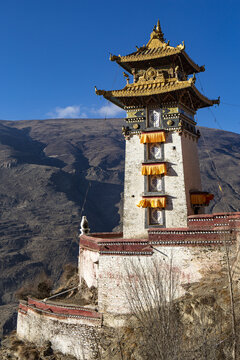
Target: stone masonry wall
x,y
193,263
112,281
71,336
190,264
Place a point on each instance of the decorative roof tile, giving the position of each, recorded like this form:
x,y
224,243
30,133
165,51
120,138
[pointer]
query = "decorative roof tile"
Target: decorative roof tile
x,y
156,87
157,48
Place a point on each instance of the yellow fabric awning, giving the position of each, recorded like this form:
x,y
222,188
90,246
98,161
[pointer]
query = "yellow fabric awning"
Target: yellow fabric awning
x,y
159,202
156,169
201,199
154,137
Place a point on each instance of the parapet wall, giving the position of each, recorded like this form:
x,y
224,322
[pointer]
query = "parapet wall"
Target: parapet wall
x,y
107,261
72,330
188,264
191,237
215,221
194,251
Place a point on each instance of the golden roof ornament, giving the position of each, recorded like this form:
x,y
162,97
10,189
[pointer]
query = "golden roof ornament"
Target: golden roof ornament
x,y
157,37
160,72
157,49
126,77
158,32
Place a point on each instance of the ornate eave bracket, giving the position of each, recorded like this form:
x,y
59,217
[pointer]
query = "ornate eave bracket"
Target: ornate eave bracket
x,y
107,96
99,92
181,46
217,101
114,57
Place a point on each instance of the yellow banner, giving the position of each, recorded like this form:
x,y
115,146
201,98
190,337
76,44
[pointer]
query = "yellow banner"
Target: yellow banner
x,y
201,199
155,137
159,202
154,169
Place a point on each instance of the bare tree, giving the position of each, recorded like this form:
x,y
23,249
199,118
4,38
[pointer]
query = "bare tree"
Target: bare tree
x,y
191,327
151,291
232,258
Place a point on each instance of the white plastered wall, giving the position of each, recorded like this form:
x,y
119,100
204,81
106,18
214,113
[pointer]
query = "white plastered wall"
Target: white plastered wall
x,y
180,153
71,336
112,297
88,267
189,265
133,217
176,209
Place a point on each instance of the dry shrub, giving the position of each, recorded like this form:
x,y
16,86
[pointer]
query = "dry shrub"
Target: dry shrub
x,y
69,281
16,343
39,288
195,326
13,348
29,354
87,295
69,271
151,291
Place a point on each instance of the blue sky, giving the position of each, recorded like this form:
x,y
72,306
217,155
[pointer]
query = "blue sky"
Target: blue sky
x,y
53,53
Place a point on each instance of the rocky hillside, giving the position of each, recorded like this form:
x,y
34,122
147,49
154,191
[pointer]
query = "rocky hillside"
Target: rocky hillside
x,y
219,154
49,169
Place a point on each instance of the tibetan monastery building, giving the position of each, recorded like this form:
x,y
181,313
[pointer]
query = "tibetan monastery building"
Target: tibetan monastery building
x,y
164,201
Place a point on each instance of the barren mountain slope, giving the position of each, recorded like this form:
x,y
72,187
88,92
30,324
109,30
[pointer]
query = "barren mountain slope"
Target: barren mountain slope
x,y
219,155
46,170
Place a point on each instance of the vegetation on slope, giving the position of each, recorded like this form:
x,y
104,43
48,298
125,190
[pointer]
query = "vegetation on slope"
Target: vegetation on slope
x,y
45,170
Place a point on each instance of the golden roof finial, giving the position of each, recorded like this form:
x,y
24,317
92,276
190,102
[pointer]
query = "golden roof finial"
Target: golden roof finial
x,y
157,31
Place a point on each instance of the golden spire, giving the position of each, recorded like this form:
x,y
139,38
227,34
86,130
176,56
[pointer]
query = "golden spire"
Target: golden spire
x,y
159,32
157,37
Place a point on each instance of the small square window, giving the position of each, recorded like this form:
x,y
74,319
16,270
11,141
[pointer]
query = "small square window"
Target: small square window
x,y
155,216
155,183
155,151
154,118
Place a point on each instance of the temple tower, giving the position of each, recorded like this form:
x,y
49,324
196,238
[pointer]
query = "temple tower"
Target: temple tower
x,y
162,176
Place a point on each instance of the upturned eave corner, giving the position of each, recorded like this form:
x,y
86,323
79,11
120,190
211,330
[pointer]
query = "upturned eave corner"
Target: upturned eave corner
x,y
108,96
207,101
197,68
114,57
217,101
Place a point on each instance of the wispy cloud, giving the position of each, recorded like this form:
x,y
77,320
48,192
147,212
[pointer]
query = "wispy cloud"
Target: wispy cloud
x,y
78,111
73,111
109,110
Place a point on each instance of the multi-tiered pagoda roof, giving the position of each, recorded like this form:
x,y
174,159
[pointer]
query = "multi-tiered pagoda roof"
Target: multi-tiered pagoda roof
x,y
160,75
